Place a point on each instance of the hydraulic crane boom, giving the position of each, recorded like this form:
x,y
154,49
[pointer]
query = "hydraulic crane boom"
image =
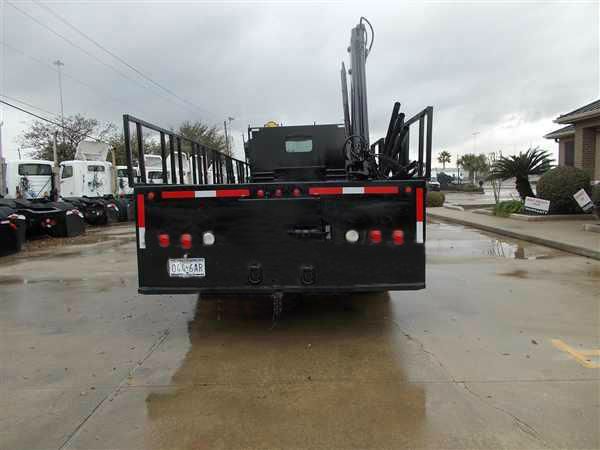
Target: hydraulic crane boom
x,y
388,157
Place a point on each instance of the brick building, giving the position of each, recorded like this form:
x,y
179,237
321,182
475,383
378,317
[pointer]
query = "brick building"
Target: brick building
x,y
579,141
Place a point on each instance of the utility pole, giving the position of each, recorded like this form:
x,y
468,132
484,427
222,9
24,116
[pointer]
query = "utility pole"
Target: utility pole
x,y
227,146
58,63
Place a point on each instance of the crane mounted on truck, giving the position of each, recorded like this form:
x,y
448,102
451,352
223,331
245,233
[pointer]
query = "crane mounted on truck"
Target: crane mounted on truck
x,y
313,208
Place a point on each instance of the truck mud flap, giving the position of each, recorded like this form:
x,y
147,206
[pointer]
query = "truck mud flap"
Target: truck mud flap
x,y
13,229
68,224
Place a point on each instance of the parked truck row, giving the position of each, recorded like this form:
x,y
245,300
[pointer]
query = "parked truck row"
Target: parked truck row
x,y
31,205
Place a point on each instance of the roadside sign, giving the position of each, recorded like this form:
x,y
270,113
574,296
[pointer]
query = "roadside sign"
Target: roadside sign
x,y
583,200
536,205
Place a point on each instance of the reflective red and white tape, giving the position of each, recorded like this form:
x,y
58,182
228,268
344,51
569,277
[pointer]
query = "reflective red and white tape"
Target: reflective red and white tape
x,y
220,193
420,216
141,221
353,190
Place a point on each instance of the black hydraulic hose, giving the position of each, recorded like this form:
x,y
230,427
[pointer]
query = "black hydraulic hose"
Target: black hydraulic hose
x,y
372,33
392,123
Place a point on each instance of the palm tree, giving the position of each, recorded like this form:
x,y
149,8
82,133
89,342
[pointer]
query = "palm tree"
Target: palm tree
x,y
443,158
533,162
474,164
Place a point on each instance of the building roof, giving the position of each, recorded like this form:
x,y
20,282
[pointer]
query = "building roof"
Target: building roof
x,y
569,130
583,112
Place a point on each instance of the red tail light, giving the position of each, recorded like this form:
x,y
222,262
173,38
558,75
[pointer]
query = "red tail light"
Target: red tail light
x,y
186,241
375,236
13,225
296,192
163,240
260,193
150,195
408,189
278,192
398,237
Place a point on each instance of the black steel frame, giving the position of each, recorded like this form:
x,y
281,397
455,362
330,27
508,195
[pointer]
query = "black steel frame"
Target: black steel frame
x,y
395,146
226,169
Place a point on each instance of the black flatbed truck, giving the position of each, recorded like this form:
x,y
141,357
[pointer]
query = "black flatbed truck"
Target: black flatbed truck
x,y
313,209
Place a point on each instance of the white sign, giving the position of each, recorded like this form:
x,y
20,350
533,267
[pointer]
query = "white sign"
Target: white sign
x,y
583,199
537,205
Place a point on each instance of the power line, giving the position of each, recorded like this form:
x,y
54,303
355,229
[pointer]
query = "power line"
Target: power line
x,y
45,119
105,94
67,40
30,105
83,50
117,57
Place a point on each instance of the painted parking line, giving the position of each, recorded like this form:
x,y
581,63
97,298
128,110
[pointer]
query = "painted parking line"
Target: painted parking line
x,y
583,357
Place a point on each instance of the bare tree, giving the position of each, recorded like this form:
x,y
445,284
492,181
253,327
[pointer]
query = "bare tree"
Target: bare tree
x,y
40,136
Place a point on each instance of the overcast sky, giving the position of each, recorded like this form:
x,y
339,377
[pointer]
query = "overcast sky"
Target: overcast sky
x,y
503,70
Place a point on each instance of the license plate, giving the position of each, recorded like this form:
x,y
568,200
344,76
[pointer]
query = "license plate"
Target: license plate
x,y
187,267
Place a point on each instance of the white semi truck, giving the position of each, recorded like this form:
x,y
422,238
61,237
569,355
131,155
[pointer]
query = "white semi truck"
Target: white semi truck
x,y
28,179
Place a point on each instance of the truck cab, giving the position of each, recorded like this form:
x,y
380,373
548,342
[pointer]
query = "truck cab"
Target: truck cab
x,y
85,178
29,179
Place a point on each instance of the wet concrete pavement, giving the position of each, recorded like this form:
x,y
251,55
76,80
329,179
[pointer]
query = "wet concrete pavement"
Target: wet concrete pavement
x,y
86,363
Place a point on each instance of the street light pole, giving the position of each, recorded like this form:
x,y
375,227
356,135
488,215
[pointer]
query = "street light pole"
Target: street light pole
x,y
58,63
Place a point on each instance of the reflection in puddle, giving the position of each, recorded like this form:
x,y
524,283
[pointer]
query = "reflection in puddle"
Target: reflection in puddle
x,y
333,371
458,241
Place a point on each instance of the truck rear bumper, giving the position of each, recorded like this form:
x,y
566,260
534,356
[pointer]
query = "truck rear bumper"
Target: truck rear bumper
x,y
282,242
285,289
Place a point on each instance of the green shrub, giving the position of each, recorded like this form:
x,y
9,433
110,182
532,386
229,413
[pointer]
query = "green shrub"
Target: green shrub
x,y
505,209
558,186
435,199
467,187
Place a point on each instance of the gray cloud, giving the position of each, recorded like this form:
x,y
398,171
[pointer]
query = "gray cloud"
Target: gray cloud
x,y
504,70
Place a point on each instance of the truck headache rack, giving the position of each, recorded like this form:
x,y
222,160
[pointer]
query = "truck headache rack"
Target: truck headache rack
x,y
183,160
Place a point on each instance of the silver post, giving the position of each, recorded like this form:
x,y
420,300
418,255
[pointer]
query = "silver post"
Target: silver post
x,y
55,169
115,187
58,63
227,144
3,190
226,137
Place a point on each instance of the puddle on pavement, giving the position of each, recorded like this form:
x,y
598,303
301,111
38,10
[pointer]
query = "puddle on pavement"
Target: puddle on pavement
x,y
457,241
83,245
323,352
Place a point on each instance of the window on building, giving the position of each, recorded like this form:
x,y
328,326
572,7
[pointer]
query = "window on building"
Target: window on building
x,y
569,153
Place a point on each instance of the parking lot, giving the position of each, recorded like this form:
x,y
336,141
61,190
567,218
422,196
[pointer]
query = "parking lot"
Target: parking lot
x,y
500,351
